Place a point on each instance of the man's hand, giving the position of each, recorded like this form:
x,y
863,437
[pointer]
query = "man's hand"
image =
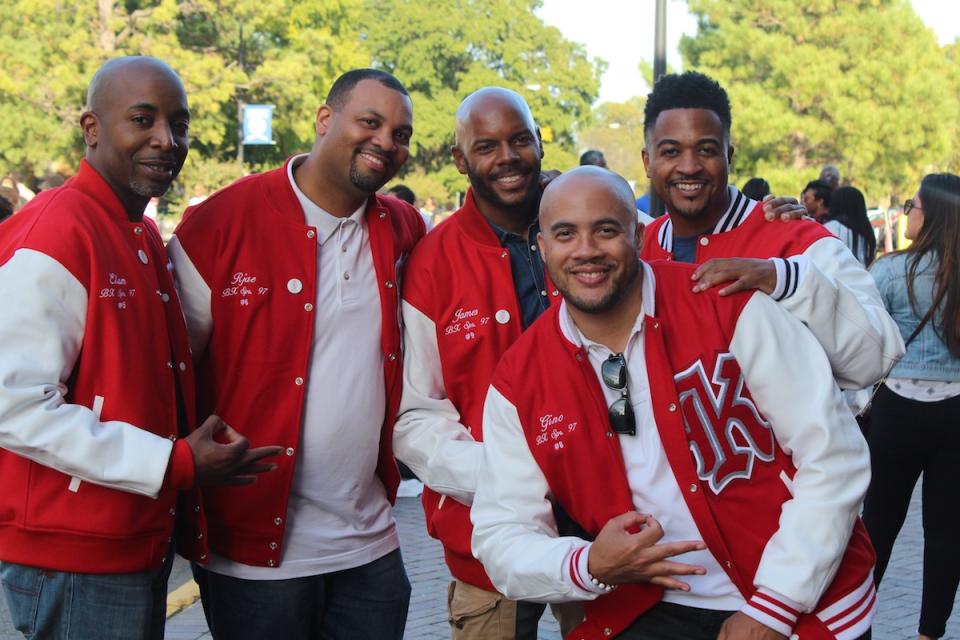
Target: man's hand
x,y
232,462
742,273
740,626
784,208
618,556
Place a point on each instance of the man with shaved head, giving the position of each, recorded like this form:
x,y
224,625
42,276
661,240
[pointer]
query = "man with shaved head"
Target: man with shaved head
x,y
290,282
698,440
96,387
472,286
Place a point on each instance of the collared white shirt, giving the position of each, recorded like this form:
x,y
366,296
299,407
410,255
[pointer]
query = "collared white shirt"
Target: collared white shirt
x,y
652,482
338,515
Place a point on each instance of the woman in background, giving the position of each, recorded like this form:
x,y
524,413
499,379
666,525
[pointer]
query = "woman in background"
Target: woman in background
x,y
848,221
915,418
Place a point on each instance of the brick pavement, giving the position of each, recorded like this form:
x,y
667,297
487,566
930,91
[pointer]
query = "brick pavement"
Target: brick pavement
x,y
897,619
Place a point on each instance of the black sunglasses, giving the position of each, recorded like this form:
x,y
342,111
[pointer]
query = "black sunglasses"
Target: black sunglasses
x,y
614,374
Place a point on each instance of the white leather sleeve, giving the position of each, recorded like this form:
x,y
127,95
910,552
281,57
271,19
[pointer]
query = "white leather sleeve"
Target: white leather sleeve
x,y
791,382
428,436
194,297
514,530
41,330
838,300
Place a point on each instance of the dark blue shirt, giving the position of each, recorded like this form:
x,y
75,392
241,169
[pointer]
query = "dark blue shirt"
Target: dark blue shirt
x,y
528,271
685,249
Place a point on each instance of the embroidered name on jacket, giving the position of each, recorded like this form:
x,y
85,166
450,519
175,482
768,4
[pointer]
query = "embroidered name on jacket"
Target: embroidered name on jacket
x,y
726,432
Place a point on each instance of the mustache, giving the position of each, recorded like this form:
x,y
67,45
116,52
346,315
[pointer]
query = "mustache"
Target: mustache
x,y
516,167
593,262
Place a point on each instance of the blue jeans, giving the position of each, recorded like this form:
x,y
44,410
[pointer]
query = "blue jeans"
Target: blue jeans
x,y
364,603
56,605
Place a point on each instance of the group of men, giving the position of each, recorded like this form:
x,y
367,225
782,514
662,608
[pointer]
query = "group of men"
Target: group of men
x,y
673,456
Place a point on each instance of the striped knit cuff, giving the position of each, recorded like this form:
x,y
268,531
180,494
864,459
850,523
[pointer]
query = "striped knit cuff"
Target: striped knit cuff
x,y
790,272
577,563
773,610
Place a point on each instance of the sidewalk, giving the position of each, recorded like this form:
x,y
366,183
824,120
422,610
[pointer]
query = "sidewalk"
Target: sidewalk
x,y
897,619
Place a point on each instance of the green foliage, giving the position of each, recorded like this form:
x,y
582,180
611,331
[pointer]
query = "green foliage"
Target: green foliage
x,y
443,50
617,130
288,56
861,83
285,54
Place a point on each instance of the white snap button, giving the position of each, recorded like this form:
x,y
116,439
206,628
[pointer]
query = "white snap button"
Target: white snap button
x,y
298,381
278,521
672,407
502,316
138,230
311,233
273,545
289,451
183,366
389,285
556,292
143,256
504,254
165,297
294,285
308,307
391,357
704,241
693,488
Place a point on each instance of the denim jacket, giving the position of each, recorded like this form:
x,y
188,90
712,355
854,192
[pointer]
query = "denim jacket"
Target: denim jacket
x,y
927,357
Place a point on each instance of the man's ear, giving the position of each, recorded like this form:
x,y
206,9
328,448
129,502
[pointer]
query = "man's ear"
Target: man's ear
x,y
646,160
459,159
729,154
90,126
540,142
639,236
540,242
324,113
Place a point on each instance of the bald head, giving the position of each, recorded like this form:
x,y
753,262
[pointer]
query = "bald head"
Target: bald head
x,y
598,191
136,128
590,242
105,81
498,149
483,102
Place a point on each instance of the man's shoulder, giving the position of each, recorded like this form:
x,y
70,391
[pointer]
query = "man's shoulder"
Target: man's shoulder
x,y
534,348
240,197
54,222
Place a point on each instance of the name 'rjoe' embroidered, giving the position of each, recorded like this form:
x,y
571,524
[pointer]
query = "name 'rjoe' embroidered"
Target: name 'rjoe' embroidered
x,y
726,432
244,286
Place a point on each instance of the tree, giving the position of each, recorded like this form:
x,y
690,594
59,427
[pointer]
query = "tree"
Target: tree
x,y
266,51
860,83
444,49
617,130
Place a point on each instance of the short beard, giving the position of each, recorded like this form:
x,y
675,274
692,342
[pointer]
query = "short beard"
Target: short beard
x,y
367,184
620,288
527,206
149,190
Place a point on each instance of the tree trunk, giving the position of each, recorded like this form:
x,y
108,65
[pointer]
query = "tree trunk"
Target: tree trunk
x,y
107,38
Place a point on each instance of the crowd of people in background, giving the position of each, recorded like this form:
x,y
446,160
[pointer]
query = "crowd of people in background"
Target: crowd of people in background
x,y
663,427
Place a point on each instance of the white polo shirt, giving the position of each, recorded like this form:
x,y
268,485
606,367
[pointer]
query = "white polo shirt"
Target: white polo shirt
x,y
338,515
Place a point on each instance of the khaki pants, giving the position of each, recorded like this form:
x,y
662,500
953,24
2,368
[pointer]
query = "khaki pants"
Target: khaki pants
x,y
478,614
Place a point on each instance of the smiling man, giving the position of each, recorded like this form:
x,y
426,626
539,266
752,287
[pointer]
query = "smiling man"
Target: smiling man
x,y
806,269
290,287
717,489
96,419
473,285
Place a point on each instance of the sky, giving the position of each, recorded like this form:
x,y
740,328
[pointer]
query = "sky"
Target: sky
x,y
621,32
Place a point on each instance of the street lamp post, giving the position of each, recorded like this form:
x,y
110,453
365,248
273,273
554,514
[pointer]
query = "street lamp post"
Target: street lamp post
x,y
659,70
